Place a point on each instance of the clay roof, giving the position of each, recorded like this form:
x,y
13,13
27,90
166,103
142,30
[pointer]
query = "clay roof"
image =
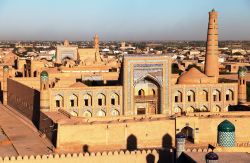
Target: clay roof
x,y
192,76
78,85
52,70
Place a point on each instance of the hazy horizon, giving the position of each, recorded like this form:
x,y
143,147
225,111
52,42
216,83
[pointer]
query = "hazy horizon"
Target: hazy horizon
x,y
134,20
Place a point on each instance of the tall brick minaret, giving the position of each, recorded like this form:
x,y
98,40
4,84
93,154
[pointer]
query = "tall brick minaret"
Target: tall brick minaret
x,y
242,85
211,63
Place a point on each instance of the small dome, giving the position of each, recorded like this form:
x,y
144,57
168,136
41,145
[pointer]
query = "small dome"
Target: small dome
x,y
5,68
44,75
242,71
212,156
226,126
192,76
180,135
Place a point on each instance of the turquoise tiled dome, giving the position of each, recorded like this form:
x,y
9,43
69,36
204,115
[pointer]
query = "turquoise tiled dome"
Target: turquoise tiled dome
x,y
242,71
5,68
226,134
44,75
226,126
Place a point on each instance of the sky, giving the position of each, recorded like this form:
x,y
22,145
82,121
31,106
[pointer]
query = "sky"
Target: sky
x,y
121,19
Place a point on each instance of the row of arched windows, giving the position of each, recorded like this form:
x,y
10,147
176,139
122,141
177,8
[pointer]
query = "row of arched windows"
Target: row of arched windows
x,y
87,100
203,97
191,109
141,92
100,113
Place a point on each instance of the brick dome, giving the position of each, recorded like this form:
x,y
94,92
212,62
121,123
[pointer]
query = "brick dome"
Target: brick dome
x,y
192,76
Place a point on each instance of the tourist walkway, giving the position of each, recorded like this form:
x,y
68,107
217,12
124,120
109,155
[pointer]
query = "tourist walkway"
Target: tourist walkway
x,y
19,137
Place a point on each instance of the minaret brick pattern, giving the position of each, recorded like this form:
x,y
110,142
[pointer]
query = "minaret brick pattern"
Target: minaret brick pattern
x,y
44,91
242,85
211,62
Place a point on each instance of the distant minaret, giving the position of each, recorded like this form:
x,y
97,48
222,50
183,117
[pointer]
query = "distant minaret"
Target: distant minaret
x,y
96,41
242,85
96,46
66,43
5,78
44,91
211,62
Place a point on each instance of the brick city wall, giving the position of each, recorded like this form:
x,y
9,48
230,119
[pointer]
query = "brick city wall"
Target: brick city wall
x,y
151,156
24,99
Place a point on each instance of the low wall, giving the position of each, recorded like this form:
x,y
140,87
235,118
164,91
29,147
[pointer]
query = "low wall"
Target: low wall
x,y
116,135
32,82
149,156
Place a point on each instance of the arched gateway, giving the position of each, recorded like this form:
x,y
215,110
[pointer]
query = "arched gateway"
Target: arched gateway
x,y
147,96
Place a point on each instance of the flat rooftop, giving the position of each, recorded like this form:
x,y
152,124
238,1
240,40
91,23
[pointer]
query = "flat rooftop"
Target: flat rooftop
x,y
63,117
226,157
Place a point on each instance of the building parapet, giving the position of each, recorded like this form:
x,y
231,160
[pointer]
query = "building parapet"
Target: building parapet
x,y
111,156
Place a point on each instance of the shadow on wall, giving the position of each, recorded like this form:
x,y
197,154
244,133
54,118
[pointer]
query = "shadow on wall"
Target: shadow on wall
x,y
85,148
166,154
238,108
1,92
1,96
167,141
185,158
150,158
48,127
36,109
131,142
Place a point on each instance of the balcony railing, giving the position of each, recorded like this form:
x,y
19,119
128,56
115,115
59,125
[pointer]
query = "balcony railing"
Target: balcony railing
x,y
146,98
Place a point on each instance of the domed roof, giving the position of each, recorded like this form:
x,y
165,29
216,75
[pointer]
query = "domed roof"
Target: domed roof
x,y
242,71
180,135
226,126
212,156
192,76
5,68
44,75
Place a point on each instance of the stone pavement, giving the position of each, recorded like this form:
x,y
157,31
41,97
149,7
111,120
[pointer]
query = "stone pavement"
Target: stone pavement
x,y
18,137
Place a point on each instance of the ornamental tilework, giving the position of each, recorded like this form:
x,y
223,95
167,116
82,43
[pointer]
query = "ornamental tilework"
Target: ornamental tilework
x,y
136,74
226,139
